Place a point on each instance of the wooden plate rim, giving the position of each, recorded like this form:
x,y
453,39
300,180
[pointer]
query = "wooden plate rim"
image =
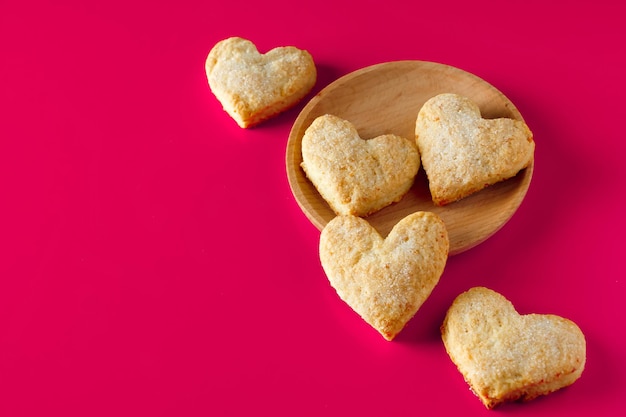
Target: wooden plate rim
x,y
308,199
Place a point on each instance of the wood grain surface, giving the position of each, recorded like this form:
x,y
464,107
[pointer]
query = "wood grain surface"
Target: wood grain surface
x,y
386,98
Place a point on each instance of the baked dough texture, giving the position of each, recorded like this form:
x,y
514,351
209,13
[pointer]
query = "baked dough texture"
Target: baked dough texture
x,y
462,153
505,356
385,280
357,176
253,87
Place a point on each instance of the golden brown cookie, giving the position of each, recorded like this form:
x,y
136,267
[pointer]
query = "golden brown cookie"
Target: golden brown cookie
x,y
505,356
357,176
252,87
462,153
384,280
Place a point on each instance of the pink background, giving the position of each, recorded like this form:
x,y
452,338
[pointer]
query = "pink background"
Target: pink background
x,y
155,263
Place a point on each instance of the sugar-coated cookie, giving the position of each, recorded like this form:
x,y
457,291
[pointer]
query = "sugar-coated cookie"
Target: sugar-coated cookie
x,y
463,153
505,356
252,87
384,280
357,176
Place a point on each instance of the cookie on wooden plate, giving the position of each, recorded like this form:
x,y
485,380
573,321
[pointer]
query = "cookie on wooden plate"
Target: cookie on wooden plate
x,y
384,280
253,87
357,176
462,153
505,356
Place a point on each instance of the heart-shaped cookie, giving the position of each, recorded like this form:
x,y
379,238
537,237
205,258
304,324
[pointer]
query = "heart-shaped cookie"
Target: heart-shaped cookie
x,y
357,176
505,356
252,87
462,152
384,280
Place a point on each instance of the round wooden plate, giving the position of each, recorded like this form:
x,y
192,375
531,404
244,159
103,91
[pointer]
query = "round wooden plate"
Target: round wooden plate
x,y
386,98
